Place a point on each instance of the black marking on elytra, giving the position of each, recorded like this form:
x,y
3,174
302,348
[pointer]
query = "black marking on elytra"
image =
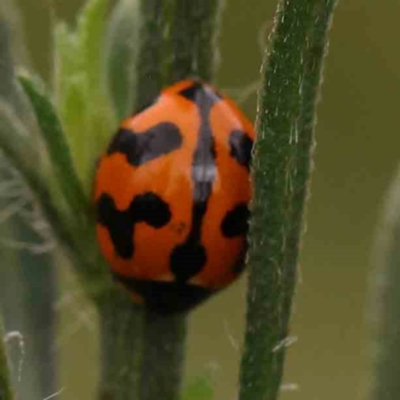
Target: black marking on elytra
x,y
236,221
188,258
147,207
166,297
241,146
198,93
139,148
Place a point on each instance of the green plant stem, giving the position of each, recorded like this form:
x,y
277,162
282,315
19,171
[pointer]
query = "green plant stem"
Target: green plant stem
x,y
120,325
281,170
6,392
192,26
121,322
163,353
384,311
194,34
123,327
149,68
38,284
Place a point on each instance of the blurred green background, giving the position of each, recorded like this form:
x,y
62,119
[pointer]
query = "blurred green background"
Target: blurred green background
x,y
356,156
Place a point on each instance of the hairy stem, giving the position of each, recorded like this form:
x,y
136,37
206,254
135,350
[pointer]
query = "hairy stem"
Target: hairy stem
x,y
193,26
194,34
281,170
121,322
120,325
384,312
152,43
164,341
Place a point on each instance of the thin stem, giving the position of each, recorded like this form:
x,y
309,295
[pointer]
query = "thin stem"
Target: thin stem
x,y
6,392
384,312
281,170
121,322
38,292
193,26
149,71
194,34
163,355
120,326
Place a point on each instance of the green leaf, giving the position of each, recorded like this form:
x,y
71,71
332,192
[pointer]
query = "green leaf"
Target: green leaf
x,y
121,55
199,389
90,42
57,146
66,64
16,144
81,94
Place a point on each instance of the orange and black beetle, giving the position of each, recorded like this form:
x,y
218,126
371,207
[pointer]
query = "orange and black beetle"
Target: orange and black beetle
x,y
172,195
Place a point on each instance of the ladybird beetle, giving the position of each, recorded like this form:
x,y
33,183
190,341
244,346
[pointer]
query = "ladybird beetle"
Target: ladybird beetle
x,y
171,196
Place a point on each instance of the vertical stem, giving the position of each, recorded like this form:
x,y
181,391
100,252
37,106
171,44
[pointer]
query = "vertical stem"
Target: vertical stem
x,y
163,355
124,374
281,170
5,386
121,339
38,284
121,322
194,34
384,312
209,15
193,28
151,39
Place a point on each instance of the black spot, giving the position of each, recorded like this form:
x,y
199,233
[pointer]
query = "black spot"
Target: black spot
x,y
147,207
152,210
166,297
241,146
142,147
187,260
191,93
235,222
200,94
118,223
